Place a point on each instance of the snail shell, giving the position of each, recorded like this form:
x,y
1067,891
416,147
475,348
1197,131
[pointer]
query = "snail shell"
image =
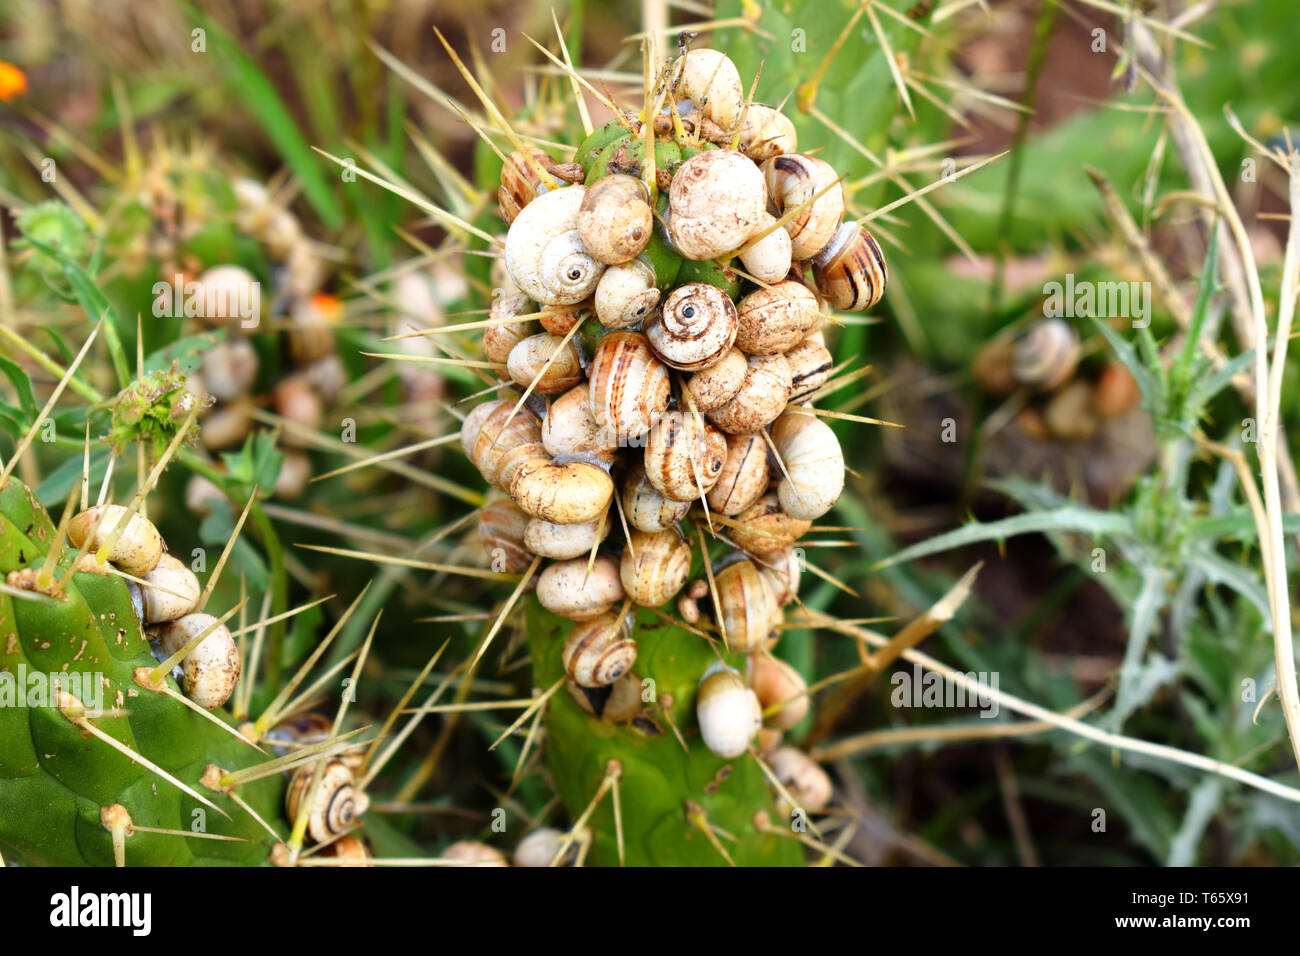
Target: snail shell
x,y
728,712
655,566
763,527
296,401
229,369
615,221
814,465
768,259
850,271
695,328
600,651
311,328
473,422
805,781
1115,392
563,541
748,608
766,132
782,569
646,509
544,254
569,428
223,291
1070,414
501,528
500,448
565,588
811,364
774,681
169,575
776,319
711,81
474,853
520,181
615,703
139,547
349,848
562,492
744,475
541,847
629,386
718,384
499,340
793,181
626,294
527,363
211,670
715,202
761,398
558,320
339,801
228,424
684,456
1045,356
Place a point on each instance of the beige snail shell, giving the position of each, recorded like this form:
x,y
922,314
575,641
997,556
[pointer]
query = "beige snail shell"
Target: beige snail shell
x,y
614,703
558,319
626,294
520,181
503,443
1070,414
715,202
310,329
501,527
351,849
615,221
569,428
811,364
761,397
562,492
294,400
695,328
776,682
567,589
139,547
766,132
805,781
1046,356
473,423
684,456
1116,391
544,254
782,569
764,527
175,590
749,611
225,293
499,340
711,81
600,651
338,800
850,271
564,541
814,465
777,318
527,364
728,712
793,181
629,386
769,258
474,853
542,846
228,424
744,475
229,369
646,509
211,670
713,387
654,567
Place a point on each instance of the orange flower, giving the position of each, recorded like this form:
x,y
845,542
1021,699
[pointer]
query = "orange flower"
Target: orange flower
x,y
13,81
329,306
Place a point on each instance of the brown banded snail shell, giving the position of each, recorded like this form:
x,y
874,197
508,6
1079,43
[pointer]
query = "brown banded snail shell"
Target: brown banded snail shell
x,y
764,527
338,800
748,609
654,567
744,475
629,387
600,651
1045,356
811,364
695,328
504,440
684,456
569,428
850,271
647,509
521,182
498,340
528,360
793,181
501,527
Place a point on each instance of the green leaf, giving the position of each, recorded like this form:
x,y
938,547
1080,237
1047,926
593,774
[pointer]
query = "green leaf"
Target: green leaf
x,y
22,385
1129,359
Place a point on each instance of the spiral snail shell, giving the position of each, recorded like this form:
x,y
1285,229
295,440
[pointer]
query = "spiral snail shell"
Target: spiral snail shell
x,y
569,428
777,318
715,203
744,475
763,394
727,711
528,360
695,328
850,271
338,800
211,670
628,385
503,443
600,651
711,81
175,590
1046,355
626,294
564,541
774,681
544,253
654,566
562,492
501,528
793,181
766,132
684,456
748,608
769,258
615,221
565,588
814,465
764,527
718,384
138,548
646,509
520,181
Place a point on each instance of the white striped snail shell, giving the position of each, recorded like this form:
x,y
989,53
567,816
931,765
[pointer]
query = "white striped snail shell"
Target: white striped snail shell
x,y
768,258
850,271
544,254
615,221
646,509
528,360
777,318
744,475
563,541
715,203
811,364
565,588
764,527
626,294
654,566
562,492
711,81
792,181
569,428
766,132
629,386
718,384
805,781
501,527
211,670
749,611
520,181
600,651
814,465
138,548
175,590
684,456
499,340
1046,355
338,800
776,682
728,712
695,328
762,396
503,443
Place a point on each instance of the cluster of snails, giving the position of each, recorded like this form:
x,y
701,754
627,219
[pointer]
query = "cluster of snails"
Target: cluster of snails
x,y
690,393
1066,404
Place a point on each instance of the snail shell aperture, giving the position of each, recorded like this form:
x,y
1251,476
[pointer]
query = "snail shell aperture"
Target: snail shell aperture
x,y
544,253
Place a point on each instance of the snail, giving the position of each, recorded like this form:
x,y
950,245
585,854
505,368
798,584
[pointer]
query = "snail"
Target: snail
x,y
543,253
654,566
764,527
647,509
776,682
766,132
615,221
803,779
349,848
563,541
626,294
521,182
695,328
225,293
744,475
684,456
1116,391
748,609
1046,356
850,271
211,670
711,81
776,319
474,853
569,428
715,202
718,384
558,320
614,703
782,569
229,369
565,588
793,181
138,548
338,800
310,331
1070,414
727,711
541,847
814,465
294,400
528,360
628,385
228,424
175,592
768,259
501,528
499,340
811,364
562,492
268,222
761,397
600,651
502,443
